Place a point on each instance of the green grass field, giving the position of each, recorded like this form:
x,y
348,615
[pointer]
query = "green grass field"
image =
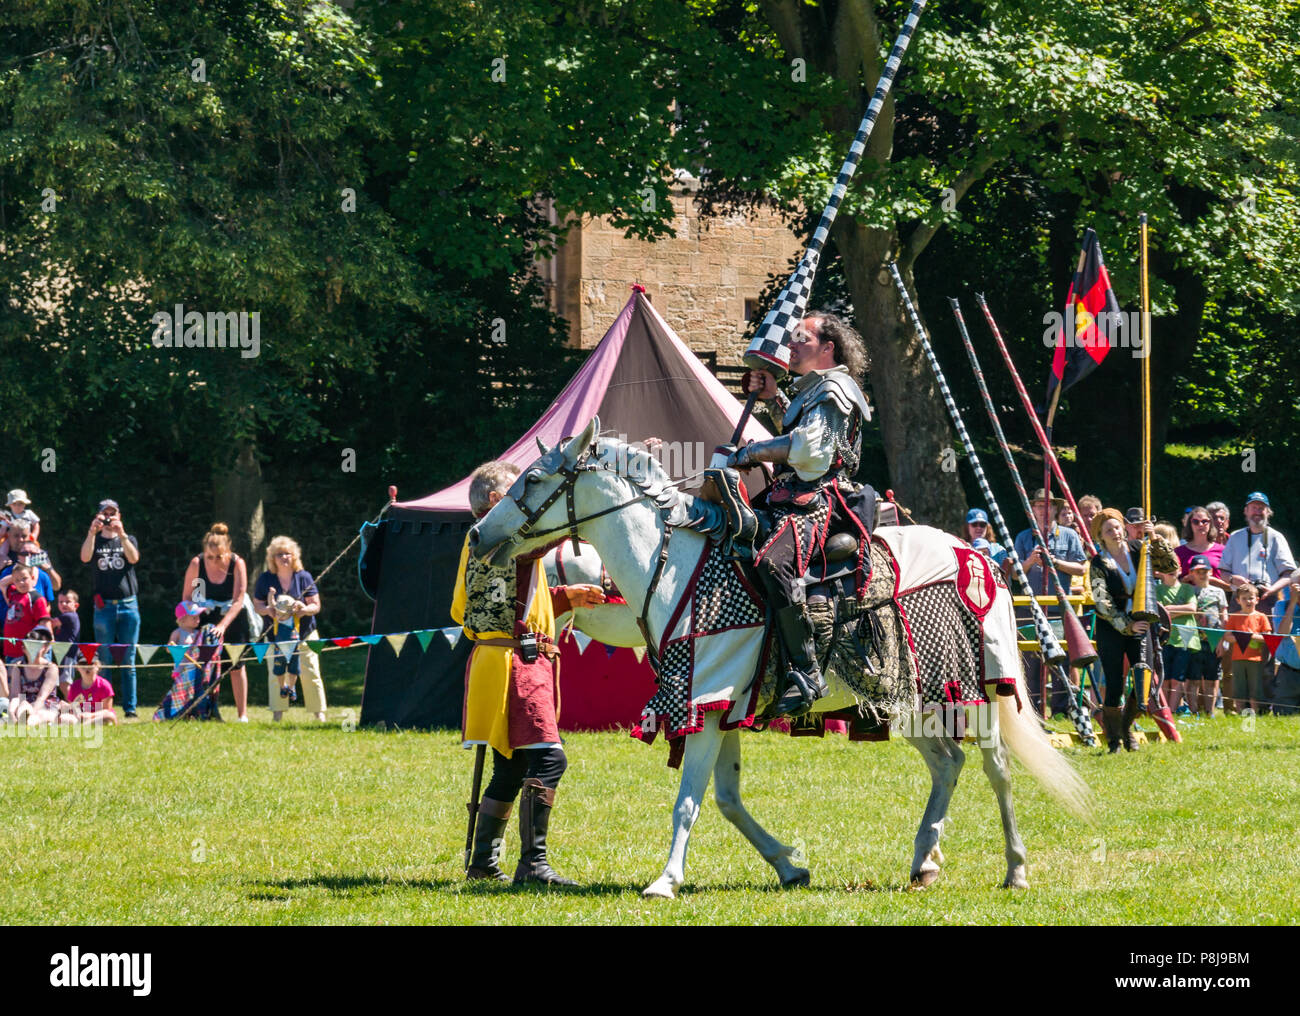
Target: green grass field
x,y
190,823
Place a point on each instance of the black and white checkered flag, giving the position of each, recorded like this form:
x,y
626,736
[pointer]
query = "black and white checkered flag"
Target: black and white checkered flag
x,y
770,349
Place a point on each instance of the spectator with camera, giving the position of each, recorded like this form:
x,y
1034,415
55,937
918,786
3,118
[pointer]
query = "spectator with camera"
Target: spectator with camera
x,y
117,608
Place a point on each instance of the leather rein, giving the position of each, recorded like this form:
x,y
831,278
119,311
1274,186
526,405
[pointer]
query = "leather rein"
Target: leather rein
x,y
570,531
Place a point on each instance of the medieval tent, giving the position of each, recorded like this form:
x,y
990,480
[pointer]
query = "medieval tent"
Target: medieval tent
x,y
642,381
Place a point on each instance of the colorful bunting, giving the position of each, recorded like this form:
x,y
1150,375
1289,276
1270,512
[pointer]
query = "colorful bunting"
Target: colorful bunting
x,y
32,649
639,653
452,635
424,638
396,642
259,650
582,639
88,650
177,653
370,640
147,653
1272,641
1243,639
235,650
315,645
343,641
1214,636
61,650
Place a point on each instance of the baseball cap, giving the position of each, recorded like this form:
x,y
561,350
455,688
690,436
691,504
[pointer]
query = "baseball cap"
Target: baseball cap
x,y
976,515
1135,515
19,494
1199,561
1259,496
188,608
108,502
981,544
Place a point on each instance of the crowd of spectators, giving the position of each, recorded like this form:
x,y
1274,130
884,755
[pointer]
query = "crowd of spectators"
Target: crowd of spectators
x,y
43,620
1226,590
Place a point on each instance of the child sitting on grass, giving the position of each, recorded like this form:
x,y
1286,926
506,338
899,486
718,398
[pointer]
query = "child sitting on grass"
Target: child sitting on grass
x,y
35,685
90,697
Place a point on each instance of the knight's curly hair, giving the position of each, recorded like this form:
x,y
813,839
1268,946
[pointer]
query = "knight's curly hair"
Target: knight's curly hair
x,y
849,347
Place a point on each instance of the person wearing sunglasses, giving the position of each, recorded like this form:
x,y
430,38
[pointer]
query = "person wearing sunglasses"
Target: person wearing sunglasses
x,y
1201,538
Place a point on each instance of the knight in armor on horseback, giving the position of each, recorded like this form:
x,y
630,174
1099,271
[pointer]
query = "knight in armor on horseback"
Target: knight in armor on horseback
x,y
812,495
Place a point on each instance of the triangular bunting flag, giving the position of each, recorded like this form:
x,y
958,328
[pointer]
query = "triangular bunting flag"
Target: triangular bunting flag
x,y
286,649
235,650
1272,641
1243,639
424,638
395,642
582,639
639,653
118,653
61,650
177,653
343,641
88,650
259,650
32,648
146,653
1214,636
610,650
370,640
452,635
315,645
206,653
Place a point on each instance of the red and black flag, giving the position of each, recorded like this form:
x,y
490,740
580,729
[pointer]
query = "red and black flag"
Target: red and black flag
x,y
1092,319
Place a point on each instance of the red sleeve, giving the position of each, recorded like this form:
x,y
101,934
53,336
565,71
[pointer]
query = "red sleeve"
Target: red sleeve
x,y
40,609
560,600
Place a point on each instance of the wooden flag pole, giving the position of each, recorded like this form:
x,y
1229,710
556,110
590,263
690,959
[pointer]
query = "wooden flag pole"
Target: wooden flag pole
x,y
1146,373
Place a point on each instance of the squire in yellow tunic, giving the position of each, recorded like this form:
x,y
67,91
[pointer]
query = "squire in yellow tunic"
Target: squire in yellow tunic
x,y
508,704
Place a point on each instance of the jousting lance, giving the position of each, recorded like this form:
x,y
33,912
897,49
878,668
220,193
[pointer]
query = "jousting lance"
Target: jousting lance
x,y
770,348
1047,641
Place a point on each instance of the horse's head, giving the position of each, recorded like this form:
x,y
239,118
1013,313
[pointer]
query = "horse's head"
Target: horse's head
x,y
534,512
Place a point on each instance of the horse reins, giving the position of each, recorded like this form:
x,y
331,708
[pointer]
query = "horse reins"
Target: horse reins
x,y
570,530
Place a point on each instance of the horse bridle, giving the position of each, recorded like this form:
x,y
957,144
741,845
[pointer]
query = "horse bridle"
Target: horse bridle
x,y
567,490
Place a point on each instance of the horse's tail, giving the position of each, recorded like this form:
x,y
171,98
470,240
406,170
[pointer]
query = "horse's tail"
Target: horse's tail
x,y
1019,726
1025,737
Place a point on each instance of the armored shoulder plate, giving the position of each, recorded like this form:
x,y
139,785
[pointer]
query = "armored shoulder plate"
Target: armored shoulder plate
x,y
834,385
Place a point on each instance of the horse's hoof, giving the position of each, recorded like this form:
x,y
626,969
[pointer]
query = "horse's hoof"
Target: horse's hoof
x,y
662,889
924,879
799,880
1016,881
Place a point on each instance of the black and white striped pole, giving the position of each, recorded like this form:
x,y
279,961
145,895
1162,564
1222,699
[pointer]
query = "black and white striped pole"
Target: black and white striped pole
x,y
1049,645
770,348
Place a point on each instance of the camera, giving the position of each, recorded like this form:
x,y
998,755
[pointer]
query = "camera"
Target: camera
x,y
528,647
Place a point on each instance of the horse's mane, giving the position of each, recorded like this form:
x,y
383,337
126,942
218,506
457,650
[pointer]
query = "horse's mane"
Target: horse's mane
x,y
643,471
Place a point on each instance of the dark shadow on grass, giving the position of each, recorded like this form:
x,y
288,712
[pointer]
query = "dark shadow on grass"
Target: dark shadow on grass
x,y
345,885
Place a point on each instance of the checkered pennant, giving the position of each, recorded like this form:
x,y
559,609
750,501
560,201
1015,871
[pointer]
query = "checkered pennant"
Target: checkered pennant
x,y
770,349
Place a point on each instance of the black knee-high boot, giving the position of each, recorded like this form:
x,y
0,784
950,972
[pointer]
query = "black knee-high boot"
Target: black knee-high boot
x,y
534,819
489,837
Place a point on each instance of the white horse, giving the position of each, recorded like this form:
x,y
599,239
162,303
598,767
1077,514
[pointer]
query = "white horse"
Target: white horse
x,y
620,512
614,624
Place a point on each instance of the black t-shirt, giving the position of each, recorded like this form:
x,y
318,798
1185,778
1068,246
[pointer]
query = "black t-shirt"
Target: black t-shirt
x,y
114,575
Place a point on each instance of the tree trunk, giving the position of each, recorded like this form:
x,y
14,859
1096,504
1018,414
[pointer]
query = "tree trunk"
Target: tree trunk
x,y
909,409
238,502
